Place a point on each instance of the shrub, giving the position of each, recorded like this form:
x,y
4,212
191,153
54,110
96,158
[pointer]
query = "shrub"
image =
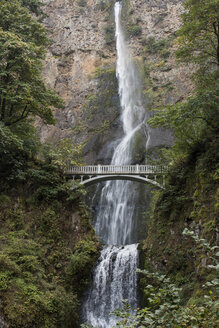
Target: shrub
x,y
82,261
109,34
154,46
134,30
82,3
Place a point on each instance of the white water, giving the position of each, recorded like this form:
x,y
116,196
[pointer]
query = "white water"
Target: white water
x,y
115,275
115,280
114,222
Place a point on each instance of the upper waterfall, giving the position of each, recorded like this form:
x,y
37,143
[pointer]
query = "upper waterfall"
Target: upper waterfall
x,y
114,222
130,89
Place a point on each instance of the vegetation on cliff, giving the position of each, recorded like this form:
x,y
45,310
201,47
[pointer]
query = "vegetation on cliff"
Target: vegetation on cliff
x,y
47,251
47,245
164,302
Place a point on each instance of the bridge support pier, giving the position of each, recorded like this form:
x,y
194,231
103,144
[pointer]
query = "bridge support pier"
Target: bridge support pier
x,y
82,178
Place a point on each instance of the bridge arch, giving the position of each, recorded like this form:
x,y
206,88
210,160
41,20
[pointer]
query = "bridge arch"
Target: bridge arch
x,y
137,178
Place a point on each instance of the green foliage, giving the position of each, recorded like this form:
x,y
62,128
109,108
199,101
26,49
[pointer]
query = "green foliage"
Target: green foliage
x,y
134,29
82,3
11,154
109,34
104,102
29,137
36,202
23,92
102,5
199,34
48,184
191,119
154,46
34,6
37,245
36,301
64,153
164,307
81,264
20,22
196,119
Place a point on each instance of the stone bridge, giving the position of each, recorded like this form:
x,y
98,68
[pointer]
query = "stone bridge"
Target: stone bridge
x,y
91,174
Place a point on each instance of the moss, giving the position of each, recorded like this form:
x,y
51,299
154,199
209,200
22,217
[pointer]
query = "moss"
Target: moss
x,y
106,100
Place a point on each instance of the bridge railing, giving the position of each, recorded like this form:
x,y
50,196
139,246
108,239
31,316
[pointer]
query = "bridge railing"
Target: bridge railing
x,y
117,169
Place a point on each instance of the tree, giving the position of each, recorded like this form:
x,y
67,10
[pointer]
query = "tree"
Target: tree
x,y
34,6
199,34
197,118
193,120
23,92
63,153
17,19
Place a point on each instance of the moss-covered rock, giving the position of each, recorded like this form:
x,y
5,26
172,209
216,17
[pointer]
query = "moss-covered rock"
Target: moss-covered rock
x,y
39,238
101,114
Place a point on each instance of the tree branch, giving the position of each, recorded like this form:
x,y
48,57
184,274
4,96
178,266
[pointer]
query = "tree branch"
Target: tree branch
x,y
215,29
11,110
22,117
3,109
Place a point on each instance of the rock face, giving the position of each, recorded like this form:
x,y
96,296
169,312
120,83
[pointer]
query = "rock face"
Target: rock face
x,y
78,49
80,65
3,324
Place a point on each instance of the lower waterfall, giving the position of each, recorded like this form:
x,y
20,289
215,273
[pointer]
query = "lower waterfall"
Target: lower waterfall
x,y
115,280
115,276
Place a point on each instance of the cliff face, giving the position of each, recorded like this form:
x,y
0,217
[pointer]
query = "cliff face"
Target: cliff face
x,y
80,65
77,50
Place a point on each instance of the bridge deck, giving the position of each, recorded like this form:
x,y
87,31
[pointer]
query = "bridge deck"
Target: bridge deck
x,y
117,169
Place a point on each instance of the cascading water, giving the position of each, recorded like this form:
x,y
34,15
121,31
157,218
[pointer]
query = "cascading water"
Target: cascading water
x,y
115,275
114,222
115,280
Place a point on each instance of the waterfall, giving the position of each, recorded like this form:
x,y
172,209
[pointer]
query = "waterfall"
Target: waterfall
x,y
114,281
115,275
114,222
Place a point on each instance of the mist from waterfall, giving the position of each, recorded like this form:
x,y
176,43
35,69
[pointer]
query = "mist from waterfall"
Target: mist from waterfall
x,y
115,276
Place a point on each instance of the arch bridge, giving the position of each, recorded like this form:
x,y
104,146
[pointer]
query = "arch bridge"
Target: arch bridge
x,y
91,174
